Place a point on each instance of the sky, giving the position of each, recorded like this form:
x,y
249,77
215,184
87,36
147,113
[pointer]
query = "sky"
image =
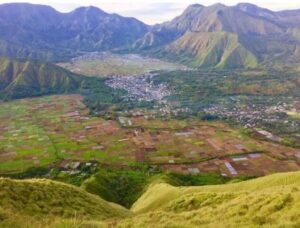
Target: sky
x,y
154,11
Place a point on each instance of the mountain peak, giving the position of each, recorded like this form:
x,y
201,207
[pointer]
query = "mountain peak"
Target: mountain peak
x,y
192,8
255,10
246,5
218,6
215,8
195,6
19,8
88,10
249,7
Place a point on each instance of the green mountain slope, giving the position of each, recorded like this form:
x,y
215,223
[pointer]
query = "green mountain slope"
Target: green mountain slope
x,y
216,49
219,17
264,37
222,36
26,78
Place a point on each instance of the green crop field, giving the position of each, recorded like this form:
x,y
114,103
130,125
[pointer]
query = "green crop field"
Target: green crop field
x,y
38,132
47,131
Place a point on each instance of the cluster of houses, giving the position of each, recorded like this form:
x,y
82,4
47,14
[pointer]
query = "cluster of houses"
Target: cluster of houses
x,y
140,88
76,167
253,115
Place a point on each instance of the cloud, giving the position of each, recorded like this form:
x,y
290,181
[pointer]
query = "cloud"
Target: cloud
x,y
153,11
150,12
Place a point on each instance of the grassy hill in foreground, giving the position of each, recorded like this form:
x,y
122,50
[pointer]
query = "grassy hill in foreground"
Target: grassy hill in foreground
x,y
125,187
45,200
271,201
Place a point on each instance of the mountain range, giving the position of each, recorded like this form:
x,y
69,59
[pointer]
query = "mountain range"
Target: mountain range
x,y
220,36
217,36
41,32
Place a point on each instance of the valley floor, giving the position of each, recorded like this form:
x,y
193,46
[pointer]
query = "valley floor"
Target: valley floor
x,y
58,132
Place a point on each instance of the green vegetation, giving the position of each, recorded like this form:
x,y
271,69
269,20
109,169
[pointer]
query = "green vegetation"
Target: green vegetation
x,y
122,187
59,131
126,186
51,133
233,94
212,37
23,78
270,201
26,79
211,84
168,193
219,50
132,158
45,199
101,99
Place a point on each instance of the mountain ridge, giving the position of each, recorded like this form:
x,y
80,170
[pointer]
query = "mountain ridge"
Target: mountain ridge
x,y
40,32
263,34
23,78
263,38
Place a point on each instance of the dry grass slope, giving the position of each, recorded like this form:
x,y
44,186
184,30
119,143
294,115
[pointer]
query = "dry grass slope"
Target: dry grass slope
x,y
271,201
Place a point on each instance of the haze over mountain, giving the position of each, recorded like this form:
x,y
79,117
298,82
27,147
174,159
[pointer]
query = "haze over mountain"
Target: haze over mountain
x,y
41,32
219,36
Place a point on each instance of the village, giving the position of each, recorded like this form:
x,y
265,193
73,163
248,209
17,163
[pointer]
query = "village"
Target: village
x,y
255,115
245,111
140,88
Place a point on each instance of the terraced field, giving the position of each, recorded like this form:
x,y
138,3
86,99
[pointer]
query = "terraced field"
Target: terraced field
x,y
48,131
